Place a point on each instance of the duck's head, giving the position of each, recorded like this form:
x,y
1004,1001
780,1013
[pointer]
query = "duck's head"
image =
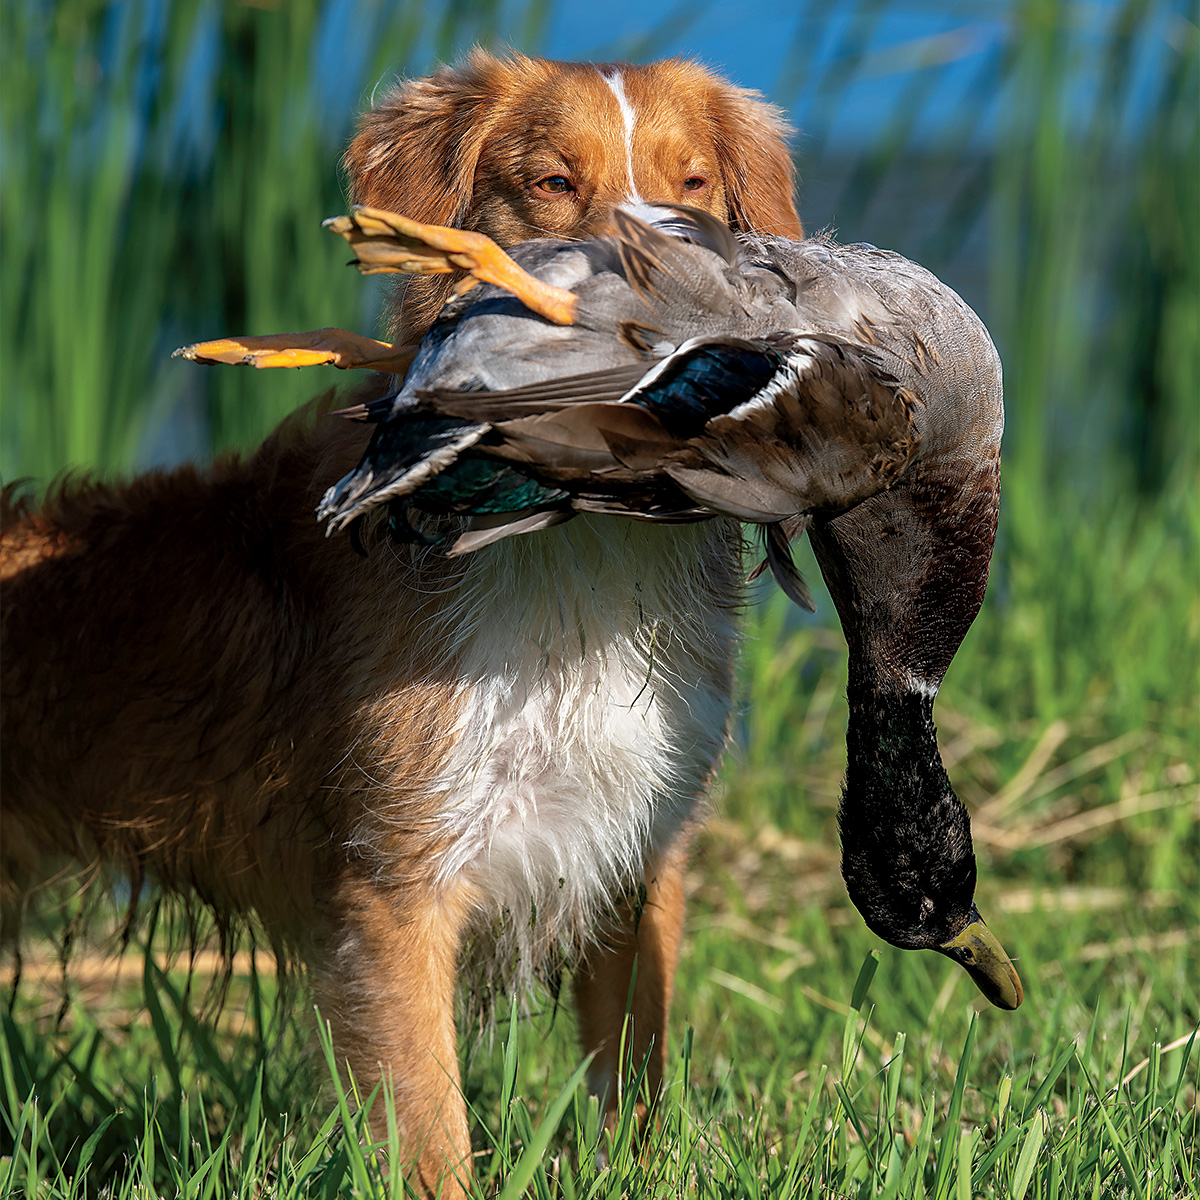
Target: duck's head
x,y
907,856
907,569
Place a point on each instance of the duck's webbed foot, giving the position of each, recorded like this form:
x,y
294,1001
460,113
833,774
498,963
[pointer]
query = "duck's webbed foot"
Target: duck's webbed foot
x,y
387,242
337,347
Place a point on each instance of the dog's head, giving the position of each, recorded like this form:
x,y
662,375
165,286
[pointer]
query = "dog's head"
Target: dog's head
x,y
521,148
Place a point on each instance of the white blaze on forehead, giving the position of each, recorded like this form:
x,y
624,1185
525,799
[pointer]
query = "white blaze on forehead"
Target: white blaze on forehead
x,y
629,117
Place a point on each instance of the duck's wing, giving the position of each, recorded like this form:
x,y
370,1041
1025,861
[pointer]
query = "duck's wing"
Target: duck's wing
x,y
419,436
761,429
771,431
584,443
401,457
830,429
619,422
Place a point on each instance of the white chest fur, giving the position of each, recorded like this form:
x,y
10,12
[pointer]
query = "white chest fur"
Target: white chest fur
x,y
596,674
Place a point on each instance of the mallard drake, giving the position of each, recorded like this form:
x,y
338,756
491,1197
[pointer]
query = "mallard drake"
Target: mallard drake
x,y
673,373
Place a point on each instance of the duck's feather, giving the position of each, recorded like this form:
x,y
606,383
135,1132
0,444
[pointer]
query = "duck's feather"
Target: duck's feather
x,y
373,411
789,530
484,530
475,484
783,566
583,438
401,456
656,229
548,395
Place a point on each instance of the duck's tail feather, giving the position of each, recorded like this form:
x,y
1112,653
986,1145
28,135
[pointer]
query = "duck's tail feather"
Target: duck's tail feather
x,y
654,241
484,530
372,411
783,566
402,456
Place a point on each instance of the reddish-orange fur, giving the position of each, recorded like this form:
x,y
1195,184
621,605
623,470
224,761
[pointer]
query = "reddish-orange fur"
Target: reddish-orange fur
x,y
187,657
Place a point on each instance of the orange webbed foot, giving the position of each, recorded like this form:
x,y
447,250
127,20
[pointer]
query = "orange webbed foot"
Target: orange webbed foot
x,y
387,242
337,347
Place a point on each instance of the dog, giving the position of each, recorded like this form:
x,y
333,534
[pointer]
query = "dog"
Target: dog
x,y
404,768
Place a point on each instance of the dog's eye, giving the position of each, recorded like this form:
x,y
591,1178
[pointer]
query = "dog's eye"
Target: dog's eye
x,y
694,183
555,185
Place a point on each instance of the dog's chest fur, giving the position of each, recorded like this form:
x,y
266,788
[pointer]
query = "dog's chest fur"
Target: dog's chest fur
x,y
595,671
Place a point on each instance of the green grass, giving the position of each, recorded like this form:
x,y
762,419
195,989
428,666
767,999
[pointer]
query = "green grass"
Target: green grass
x,y
806,1063
808,1060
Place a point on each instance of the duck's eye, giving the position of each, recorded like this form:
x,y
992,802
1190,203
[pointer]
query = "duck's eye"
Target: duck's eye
x,y
554,185
694,183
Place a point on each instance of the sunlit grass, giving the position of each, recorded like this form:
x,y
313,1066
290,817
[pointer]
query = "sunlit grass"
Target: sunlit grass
x,y
804,1062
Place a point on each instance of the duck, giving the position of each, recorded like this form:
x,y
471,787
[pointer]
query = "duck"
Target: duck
x,y
673,372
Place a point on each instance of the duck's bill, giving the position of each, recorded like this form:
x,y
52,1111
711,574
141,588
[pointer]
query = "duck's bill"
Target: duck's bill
x,y
978,952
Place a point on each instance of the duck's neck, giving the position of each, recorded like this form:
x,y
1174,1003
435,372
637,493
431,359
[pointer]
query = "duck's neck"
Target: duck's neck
x,y
907,570
896,785
891,745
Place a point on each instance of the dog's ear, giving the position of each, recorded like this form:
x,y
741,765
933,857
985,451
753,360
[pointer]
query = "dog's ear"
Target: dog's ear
x,y
760,179
417,149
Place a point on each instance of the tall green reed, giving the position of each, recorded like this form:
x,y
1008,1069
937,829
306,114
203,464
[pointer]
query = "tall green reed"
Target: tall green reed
x,y
166,168
1095,277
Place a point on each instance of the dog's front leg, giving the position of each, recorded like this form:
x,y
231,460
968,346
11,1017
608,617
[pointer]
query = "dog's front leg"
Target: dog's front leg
x,y
385,981
646,941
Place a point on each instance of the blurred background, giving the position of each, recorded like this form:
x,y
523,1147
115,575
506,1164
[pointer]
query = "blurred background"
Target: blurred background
x,y
166,166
